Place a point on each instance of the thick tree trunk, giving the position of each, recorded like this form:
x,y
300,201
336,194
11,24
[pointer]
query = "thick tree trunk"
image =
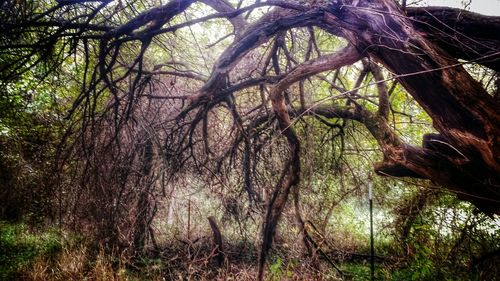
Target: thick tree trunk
x,y
463,34
465,156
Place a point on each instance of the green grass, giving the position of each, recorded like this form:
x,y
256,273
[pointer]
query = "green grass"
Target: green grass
x,y
19,247
356,271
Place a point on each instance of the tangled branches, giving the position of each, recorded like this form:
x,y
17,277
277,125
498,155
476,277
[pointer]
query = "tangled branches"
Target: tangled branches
x,y
153,101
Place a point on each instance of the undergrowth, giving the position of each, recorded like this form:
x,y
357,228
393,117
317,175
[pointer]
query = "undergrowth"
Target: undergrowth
x,y
31,254
20,248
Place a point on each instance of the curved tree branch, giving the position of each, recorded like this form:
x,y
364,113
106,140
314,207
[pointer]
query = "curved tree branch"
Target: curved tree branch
x,y
463,34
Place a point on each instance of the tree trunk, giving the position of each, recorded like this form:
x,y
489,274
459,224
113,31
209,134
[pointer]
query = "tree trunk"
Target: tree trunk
x,y
465,155
217,240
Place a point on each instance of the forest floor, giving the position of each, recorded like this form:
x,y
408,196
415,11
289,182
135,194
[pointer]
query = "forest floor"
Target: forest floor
x,y
30,254
33,254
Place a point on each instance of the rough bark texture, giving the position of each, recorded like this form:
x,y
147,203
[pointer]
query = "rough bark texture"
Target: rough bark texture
x,y
463,34
465,156
421,47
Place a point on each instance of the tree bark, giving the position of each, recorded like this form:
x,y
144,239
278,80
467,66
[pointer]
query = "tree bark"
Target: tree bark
x,y
467,159
217,240
463,34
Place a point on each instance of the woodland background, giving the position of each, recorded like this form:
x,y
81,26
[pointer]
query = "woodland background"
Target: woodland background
x,y
204,140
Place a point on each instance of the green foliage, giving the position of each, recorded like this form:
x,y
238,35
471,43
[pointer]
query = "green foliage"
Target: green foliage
x,y
31,126
356,271
278,270
20,247
444,239
421,265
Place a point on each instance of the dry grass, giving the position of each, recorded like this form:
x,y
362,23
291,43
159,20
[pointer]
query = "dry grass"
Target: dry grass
x,y
77,264
179,262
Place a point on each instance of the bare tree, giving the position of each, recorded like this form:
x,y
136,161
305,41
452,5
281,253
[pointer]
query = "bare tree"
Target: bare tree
x,y
263,77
